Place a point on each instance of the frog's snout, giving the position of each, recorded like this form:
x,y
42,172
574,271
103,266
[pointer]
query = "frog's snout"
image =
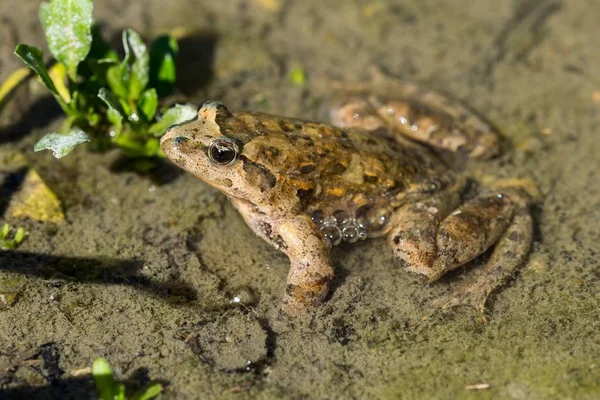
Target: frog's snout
x,y
172,140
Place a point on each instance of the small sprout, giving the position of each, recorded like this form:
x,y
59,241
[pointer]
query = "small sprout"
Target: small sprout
x,y
297,77
109,389
10,244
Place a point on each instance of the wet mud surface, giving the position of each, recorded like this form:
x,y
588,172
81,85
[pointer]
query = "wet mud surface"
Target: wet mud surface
x,y
159,274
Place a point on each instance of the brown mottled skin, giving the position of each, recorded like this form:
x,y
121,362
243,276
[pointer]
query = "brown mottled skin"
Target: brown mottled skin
x,y
305,186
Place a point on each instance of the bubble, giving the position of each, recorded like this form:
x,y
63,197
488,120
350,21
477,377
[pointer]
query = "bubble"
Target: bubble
x,y
372,219
318,217
350,234
332,235
342,218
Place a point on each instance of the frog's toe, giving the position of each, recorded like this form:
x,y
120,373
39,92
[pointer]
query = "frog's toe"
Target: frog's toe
x,y
300,297
469,296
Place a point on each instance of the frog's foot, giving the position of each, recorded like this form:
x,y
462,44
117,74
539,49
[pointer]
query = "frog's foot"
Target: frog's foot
x,y
310,268
493,217
421,115
304,295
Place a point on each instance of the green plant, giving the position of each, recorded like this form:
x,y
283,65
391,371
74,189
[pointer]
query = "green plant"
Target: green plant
x,y
109,389
10,244
107,101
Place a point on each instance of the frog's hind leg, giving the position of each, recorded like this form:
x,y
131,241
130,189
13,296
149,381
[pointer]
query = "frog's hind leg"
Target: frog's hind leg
x,y
421,115
470,230
504,221
428,241
438,127
508,255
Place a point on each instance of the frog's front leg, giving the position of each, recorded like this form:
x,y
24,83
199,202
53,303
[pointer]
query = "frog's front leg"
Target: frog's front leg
x,y
310,267
413,237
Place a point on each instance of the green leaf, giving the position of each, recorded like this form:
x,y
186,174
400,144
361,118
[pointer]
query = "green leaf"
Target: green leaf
x,y
130,146
115,112
147,104
11,244
174,115
152,147
121,392
33,57
128,79
44,14
68,31
117,79
105,382
163,52
20,235
148,393
138,59
61,145
115,118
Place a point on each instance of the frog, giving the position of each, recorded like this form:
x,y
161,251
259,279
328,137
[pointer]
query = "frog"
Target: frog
x,y
375,169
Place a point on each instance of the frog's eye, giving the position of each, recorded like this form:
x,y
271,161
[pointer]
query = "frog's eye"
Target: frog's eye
x,y
223,151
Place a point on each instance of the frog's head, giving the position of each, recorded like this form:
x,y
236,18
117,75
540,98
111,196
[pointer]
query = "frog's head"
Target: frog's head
x,y
212,146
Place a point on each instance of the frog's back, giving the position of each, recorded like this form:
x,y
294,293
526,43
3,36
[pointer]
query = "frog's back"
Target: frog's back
x,y
335,168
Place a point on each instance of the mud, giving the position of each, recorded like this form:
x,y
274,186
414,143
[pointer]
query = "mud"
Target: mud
x,y
160,275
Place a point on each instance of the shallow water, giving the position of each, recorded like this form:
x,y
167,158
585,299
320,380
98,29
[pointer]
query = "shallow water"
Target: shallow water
x,y
145,270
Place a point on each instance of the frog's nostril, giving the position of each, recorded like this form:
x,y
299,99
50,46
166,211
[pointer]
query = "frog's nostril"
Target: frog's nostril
x,y
179,140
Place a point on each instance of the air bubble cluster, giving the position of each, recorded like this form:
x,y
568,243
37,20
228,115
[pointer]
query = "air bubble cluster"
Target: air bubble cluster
x,y
341,225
